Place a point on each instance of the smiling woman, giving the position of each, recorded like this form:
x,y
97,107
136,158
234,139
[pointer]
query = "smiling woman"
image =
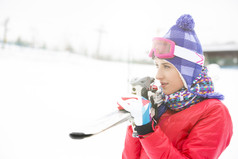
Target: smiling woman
x,y
191,122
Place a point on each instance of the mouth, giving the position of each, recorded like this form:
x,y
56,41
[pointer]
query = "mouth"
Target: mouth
x,y
163,84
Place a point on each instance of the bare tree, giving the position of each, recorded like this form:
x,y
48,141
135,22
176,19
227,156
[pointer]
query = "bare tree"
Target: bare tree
x,y
5,25
100,31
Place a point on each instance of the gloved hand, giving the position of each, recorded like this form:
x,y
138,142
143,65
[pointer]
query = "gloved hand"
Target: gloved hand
x,y
140,109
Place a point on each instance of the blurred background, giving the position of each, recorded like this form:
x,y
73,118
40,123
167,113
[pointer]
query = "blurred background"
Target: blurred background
x,y
65,62
111,30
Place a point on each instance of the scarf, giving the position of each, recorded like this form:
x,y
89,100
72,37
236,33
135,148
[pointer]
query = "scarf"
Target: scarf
x,y
202,88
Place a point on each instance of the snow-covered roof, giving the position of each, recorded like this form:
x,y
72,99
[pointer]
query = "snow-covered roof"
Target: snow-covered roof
x,y
220,47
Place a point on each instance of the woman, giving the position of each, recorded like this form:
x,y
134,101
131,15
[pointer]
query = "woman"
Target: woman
x,y
191,122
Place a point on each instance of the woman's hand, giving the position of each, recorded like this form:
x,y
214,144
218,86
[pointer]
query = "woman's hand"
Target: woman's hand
x,y
139,107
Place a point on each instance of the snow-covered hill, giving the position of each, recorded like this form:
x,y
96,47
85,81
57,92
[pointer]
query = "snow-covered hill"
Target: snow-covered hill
x,y
46,95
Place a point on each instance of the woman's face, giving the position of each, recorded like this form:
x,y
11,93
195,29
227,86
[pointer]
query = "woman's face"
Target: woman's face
x,y
168,76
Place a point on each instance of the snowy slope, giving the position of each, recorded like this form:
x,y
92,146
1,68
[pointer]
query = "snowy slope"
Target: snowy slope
x,y
46,95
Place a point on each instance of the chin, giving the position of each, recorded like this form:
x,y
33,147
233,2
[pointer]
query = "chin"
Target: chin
x,y
166,93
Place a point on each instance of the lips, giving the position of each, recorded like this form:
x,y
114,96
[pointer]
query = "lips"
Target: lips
x,y
163,84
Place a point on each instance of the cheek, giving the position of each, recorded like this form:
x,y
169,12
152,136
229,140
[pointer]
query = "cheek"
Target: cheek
x,y
177,81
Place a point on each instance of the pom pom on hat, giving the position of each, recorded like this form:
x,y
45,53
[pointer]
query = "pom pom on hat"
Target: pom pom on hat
x,y
186,22
183,34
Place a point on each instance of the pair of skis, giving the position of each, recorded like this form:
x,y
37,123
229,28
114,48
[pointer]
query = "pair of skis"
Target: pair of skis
x,y
141,87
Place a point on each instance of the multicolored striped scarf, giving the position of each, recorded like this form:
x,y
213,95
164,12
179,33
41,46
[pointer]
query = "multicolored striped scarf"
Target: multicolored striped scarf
x,y
201,89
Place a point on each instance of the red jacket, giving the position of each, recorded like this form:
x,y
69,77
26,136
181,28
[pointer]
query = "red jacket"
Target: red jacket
x,y
201,131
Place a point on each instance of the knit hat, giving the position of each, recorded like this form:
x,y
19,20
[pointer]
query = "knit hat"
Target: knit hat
x,y
183,34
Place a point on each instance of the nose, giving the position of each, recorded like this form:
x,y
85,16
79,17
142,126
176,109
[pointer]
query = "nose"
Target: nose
x,y
159,74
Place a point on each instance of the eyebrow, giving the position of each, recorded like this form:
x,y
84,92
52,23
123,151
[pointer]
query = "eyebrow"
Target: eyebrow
x,y
162,63
165,63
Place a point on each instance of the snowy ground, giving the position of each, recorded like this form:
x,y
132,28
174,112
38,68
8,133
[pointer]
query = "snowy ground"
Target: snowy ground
x,y
46,95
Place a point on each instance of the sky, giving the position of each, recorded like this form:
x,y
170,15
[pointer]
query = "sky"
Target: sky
x,y
128,25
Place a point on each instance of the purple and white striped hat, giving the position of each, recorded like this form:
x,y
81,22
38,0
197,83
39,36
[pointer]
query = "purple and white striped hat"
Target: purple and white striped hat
x,y
183,34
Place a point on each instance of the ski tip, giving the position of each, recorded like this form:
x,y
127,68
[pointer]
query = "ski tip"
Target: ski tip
x,y
79,135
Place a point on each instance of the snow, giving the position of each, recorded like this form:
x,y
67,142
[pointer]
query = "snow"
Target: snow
x,y
46,95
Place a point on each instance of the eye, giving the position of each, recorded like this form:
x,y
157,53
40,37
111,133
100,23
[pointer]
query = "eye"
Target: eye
x,y
166,66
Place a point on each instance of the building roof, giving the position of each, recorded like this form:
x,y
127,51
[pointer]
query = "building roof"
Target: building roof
x,y
220,47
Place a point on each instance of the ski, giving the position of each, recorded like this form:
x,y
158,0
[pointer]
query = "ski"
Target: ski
x,y
140,86
102,124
